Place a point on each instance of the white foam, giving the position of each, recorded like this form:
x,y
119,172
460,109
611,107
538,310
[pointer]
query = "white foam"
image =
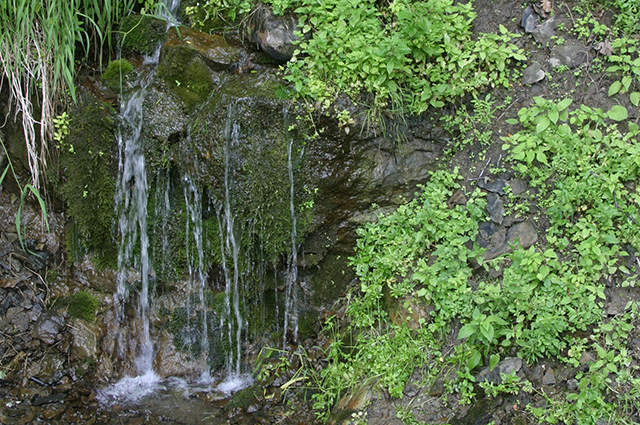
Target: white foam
x,y
130,390
235,383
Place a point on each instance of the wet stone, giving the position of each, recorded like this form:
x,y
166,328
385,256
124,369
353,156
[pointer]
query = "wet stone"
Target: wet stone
x,y
485,231
53,398
572,384
549,377
495,186
495,208
543,33
48,328
529,20
525,232
532,74
570,54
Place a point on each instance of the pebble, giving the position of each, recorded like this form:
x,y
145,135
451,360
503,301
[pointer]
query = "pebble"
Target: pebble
x,y
532,74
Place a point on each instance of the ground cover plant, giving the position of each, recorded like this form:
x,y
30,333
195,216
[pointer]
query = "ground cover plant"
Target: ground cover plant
x,y
548,302
405,56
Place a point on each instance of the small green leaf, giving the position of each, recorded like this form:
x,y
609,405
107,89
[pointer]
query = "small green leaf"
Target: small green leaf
x,y
493,361
607,327
618,113
512,121
635,98
615,88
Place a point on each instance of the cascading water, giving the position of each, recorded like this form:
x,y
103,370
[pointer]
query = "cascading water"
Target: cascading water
x,y
195,258
232,291
291,294
132,193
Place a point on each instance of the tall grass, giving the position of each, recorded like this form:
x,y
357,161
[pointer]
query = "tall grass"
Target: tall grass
x,y
38,40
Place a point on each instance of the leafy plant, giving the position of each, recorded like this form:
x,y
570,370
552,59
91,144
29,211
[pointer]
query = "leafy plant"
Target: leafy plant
x,y
37,54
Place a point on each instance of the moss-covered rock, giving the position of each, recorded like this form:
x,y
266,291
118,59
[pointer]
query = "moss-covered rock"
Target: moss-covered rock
x,y
187,61
86,179
141,34
238,146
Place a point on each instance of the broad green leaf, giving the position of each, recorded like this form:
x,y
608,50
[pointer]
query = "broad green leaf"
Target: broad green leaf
x,y
618,113
466,331
487,331
553,116
512,121
635,98
542,125
564,104
615,88
607,327
541,157
474,360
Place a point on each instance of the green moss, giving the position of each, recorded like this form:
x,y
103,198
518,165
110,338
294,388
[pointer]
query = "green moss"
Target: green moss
x,y
83,305
85,177
187,75
117,72
141,34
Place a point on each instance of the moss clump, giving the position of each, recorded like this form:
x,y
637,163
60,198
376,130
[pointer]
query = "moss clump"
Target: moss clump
x,y
116,73
187,75
83,305
85,177
141,34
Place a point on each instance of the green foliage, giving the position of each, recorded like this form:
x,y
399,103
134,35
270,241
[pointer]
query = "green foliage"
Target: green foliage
x,y
38,51
406,55
626,61
116,73
585,169
85,177
83,305
216,14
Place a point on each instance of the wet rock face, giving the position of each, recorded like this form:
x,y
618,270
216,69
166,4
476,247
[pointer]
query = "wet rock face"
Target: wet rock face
x,y
188,61
273,34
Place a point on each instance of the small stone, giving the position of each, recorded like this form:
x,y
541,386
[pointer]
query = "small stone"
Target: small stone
x,y
549,377
586,358
495,208
496,186
532,74
529,20
458,198
570,54
410,390
485,231
543,33
504,367
572,384
438,388
525,233
517,186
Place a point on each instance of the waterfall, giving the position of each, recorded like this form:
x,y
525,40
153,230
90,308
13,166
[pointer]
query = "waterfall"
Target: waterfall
x,y
291,295
131,201
232,290
195,258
